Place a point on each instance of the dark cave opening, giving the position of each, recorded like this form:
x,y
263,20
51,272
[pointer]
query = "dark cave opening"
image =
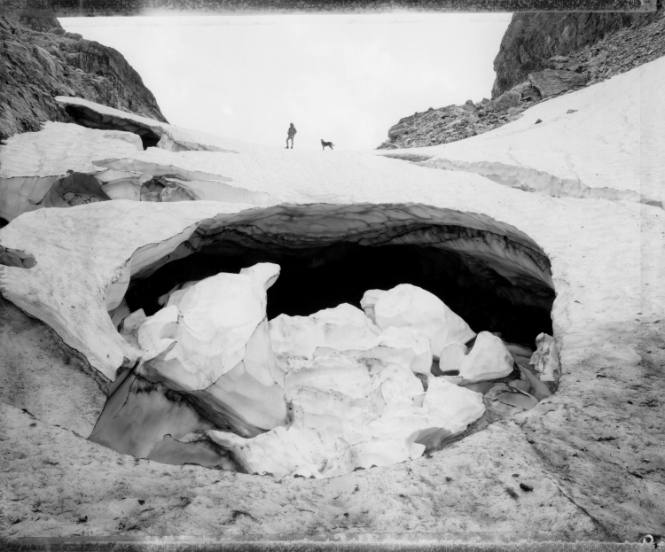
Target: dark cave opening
x,y
490,273
317,277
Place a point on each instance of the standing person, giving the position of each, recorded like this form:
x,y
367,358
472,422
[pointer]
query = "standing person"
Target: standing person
x,y
289,135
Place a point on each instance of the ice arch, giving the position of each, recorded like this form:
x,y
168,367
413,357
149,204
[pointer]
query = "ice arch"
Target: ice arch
x,y
97,119
492,274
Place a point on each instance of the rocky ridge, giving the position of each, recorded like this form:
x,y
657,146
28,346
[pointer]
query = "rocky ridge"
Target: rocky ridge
x,y
39,60
533,38
620,50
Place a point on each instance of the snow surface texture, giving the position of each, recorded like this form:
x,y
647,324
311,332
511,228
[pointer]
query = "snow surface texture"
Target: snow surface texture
x,y
592,453
61,147
597,142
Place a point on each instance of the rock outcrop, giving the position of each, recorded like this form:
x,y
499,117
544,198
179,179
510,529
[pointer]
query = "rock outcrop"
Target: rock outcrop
x,y
531,67
39,60
533,38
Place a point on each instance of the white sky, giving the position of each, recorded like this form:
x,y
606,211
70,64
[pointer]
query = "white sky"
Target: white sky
x,y
340,77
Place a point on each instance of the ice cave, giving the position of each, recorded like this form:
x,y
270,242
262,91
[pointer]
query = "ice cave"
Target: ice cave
x,y
492,275
454,338
396,318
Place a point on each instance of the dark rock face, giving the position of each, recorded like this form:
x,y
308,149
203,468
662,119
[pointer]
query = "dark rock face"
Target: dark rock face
x,y
39,61
551,82
455,122
629,41
532,38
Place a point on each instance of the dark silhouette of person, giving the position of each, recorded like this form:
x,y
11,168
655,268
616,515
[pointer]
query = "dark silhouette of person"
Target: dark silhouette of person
x,y
289,135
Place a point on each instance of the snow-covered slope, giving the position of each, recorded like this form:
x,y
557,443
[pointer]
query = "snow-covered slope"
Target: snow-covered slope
x,y
61,147
603,136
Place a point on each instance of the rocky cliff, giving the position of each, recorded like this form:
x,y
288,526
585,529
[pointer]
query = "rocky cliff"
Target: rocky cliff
x,y
39,60
531,67
532,38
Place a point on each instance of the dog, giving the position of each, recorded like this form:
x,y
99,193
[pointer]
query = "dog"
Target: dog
x,y
325,144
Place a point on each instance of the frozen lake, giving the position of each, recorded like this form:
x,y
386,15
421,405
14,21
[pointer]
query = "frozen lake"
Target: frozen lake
x,y
340,77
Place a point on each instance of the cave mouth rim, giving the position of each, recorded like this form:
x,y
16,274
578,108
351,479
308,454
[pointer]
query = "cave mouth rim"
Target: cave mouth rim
x,y
283,228
210,233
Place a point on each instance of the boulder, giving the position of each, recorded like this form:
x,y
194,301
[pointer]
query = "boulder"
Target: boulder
x,y
527,92
409,306
510,98
552,82
488,359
